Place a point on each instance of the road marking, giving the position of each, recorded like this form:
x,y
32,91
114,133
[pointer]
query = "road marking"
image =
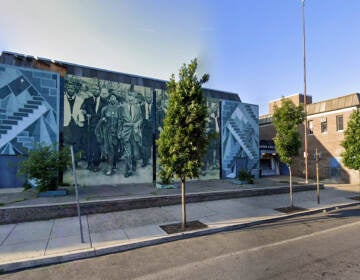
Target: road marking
x,y
172,271
314,234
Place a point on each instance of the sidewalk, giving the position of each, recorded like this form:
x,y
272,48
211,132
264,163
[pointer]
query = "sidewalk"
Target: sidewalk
x,y
31,244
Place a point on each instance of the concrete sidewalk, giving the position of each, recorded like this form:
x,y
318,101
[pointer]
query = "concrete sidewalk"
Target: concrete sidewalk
x,y
31,244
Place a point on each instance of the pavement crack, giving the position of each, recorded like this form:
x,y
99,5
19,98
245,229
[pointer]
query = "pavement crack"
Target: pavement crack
x,y
7,236
48,241
88,227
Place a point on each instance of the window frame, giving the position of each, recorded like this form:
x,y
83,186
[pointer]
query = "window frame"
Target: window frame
x,y
311,127
323,125
338,117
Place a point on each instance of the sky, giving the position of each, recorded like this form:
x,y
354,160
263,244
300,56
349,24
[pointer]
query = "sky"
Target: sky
x,y
250,47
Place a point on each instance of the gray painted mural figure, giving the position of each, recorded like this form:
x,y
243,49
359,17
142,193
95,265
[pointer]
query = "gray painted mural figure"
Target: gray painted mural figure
x,y
91,109
131,135
212,157
108,132
73,117
147,129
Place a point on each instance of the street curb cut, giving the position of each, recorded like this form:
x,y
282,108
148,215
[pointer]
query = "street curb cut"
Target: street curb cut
x,y
90,253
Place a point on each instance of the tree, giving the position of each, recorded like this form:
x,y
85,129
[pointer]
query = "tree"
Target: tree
x,y
351,144
183,140
44,163
286,119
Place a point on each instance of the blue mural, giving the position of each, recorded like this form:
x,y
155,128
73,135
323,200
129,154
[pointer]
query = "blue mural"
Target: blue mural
x,y
110,125
211,160
29,109
240,138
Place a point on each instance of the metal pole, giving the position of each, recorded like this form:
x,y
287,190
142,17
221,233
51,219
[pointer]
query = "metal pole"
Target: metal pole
x,y
317,157
306,124
77,193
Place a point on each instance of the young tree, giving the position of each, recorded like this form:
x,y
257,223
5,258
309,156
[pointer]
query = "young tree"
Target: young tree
x,y
351,144
286,119
183,140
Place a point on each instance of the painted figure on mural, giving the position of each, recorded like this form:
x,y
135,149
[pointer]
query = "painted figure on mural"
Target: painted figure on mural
x,y
160,112
212,157
147,128
108,132
91,109
73,117
131,135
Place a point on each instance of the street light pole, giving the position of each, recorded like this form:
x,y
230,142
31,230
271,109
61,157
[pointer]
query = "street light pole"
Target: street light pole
x,y
306,124
317,158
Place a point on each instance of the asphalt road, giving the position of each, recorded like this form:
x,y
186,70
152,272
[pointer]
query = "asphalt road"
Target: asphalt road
x,y
322,246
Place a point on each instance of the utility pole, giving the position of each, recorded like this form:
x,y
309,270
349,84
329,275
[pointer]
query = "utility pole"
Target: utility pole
x,y
305,107
317,158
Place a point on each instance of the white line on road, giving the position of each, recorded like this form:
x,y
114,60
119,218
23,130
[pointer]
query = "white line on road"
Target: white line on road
x,y
234,254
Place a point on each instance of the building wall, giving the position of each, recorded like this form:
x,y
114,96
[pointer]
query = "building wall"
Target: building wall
x,y
106,148
29,114
329,146
328,143
240,138
297,98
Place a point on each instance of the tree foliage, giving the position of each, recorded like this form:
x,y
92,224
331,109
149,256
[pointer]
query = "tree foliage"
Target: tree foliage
x,y
287,140
183,140
44,164
351,143
286,119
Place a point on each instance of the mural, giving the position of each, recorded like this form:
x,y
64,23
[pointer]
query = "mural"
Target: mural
x,y
240,138
211,160
110,126
29,109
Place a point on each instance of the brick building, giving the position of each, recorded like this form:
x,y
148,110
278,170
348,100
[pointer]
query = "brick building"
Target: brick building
x,y
327,121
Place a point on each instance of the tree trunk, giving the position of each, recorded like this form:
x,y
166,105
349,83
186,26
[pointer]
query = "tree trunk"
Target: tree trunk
x,y
291,190
183,207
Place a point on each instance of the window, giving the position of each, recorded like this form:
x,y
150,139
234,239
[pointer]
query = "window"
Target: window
x,y
339,123
310,127
323,125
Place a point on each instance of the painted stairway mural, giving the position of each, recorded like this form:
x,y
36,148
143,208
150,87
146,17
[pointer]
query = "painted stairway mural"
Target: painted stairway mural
x,y
29,105
240,138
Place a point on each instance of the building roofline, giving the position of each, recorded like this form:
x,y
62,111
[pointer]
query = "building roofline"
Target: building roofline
x,y
288,96
331,104
335,98
66,64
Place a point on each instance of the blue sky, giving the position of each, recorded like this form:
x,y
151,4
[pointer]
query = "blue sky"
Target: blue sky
x,y
250,47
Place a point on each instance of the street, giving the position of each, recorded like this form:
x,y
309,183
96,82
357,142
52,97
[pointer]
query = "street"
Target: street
x,y
321,246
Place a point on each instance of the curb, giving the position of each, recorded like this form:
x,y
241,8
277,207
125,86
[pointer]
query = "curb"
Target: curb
x,y
19,214
90,253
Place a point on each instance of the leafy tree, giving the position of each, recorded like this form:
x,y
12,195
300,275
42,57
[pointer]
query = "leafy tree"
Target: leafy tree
x,y
351,143
286,119
44,163
183,140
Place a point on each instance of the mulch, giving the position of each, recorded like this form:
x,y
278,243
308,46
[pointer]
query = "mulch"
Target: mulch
x,y
177,228
290,210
